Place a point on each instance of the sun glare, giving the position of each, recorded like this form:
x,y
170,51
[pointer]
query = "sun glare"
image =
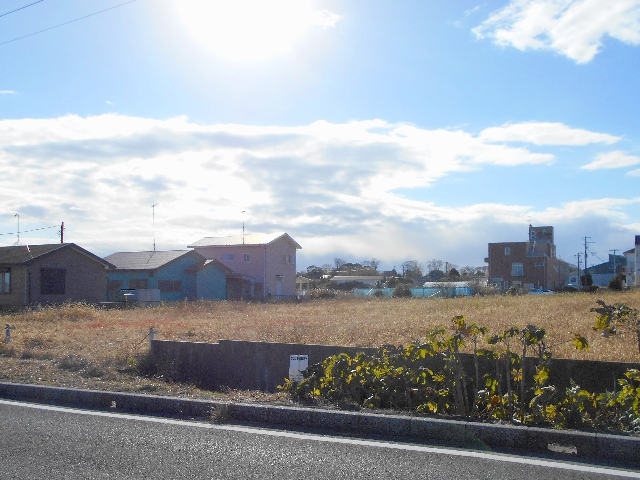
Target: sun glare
x,y
246,30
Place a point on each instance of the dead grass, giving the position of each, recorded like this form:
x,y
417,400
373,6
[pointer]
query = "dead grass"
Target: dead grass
x,y
79,345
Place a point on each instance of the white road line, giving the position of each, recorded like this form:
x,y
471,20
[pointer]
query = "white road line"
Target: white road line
x,y
328,439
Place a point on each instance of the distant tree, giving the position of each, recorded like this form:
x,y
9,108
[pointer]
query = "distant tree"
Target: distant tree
x,y
435,264
327,268
374,263
314,272
412,270
436,273
402,291
586,279
617,282
454,272
338,263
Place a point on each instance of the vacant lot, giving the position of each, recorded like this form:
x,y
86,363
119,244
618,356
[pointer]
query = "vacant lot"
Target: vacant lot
x,y
79,345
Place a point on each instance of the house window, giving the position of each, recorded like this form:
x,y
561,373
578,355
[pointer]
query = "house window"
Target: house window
x,y
170,285
517,270
52,281
113,285
505,284
286,259
228,257
507,250
539,264
5,280
246,257
138,283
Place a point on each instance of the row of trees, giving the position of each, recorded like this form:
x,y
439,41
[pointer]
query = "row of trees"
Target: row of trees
x,y
410,270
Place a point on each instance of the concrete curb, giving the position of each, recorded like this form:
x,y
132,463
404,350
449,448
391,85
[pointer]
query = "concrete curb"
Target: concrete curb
x,y
459,433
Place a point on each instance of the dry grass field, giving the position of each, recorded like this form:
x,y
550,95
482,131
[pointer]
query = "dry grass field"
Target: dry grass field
x,y
81,346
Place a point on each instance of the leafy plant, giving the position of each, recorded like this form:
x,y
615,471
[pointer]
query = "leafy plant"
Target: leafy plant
x,y
617,319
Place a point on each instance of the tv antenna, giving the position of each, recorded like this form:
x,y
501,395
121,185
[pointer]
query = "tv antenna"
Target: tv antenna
x,y
243,226
153,216
18,215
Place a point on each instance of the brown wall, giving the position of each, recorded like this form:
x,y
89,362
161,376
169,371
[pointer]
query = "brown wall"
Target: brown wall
x,y
16,295
549,275
85,280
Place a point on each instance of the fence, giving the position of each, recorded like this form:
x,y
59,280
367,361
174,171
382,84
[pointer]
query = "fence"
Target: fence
x,y
421,292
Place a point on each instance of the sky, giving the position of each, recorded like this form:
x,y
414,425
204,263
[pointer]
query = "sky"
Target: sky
x,y
395,130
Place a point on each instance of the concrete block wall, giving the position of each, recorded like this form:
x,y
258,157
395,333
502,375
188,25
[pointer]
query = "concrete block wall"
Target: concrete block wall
x,y
264,365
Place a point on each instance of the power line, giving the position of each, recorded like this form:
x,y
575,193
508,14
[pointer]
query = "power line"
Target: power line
x,y
67,23
21,8
27,231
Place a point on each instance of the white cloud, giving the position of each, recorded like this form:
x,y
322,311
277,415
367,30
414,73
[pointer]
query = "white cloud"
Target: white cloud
x,y
634,173
615,159
545,133
574,28
7,92
325,18
332,186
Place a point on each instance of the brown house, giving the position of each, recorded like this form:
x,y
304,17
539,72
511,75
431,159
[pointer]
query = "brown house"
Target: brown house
x,y
48,274
531,264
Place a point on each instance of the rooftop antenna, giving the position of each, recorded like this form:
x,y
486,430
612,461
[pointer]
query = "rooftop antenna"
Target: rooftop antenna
x,y
243,226
18,215
153,215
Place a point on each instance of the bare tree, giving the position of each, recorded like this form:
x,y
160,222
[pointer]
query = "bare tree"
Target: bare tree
x,y
339,263
434,265
374,263
411,269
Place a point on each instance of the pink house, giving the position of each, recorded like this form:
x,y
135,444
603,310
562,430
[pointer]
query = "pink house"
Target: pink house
x,y
267,259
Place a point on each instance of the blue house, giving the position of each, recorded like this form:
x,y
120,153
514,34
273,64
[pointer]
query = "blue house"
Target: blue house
x,y
177,274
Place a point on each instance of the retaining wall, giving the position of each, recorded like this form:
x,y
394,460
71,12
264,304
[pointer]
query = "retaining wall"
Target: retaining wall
x,y
263,365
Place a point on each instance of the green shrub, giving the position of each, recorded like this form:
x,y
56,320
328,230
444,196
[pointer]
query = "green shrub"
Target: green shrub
x,y
402,291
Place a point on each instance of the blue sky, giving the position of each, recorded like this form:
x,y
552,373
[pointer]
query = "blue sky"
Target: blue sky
x,y
405,130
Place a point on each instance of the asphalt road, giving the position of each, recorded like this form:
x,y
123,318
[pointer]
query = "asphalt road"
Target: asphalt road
x,y
38,442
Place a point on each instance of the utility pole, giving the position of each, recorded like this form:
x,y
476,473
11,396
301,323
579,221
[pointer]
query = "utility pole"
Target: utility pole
x,y
614,260
62,233
586,243
243,226
578,255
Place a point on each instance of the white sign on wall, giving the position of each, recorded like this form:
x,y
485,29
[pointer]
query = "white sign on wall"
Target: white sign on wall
x,y
297,364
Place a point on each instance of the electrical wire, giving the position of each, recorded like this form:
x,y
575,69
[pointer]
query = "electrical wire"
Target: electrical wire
x,y
67,23
27,231
21,8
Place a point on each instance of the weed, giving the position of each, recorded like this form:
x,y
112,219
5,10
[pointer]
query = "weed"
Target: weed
x,y
220,414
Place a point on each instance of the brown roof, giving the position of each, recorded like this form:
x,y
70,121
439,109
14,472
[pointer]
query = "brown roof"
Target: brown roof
x,y
23,254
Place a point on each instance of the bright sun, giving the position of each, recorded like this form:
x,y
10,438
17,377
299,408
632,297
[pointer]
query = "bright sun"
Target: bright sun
x,y
245,30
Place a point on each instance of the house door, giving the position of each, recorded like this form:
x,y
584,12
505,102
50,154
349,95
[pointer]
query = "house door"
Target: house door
x,y
278,286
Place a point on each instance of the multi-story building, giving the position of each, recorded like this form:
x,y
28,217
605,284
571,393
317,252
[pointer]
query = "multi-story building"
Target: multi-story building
x,y
632,270
268,260
530,264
